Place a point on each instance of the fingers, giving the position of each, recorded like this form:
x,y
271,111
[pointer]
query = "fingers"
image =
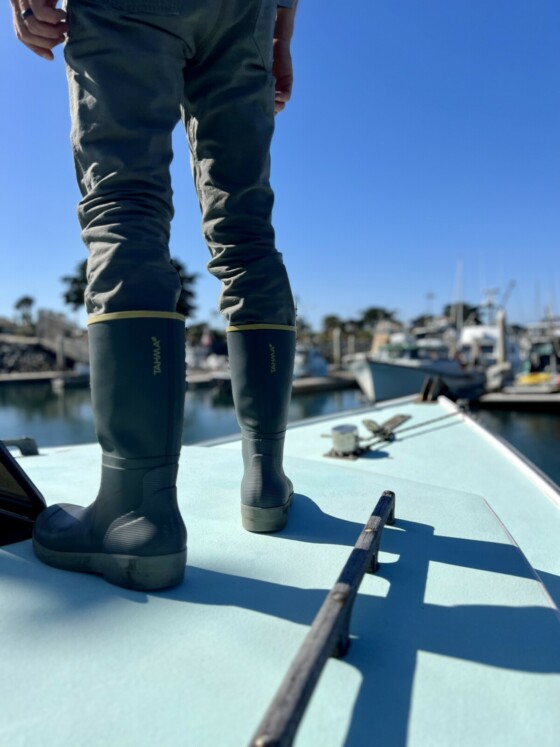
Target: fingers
x,y
283,93
42,29
283,72
280,100
46,12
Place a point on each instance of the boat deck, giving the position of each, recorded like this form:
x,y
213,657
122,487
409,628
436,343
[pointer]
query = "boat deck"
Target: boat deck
x,y
455,641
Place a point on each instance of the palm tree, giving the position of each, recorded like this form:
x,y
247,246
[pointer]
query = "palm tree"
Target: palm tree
x,y
375,314
24,306
74,294
185,304
332,321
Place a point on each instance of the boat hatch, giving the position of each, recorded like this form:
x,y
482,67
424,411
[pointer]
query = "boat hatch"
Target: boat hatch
x,y
20,501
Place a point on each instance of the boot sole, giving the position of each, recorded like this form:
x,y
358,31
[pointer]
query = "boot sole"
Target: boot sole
x,y
273,519
129,571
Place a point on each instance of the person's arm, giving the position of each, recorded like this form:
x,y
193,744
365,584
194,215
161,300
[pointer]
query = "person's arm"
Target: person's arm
x,y
282,66
39,24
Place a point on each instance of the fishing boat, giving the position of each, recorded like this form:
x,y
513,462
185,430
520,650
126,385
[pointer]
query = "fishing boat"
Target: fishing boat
x,y
481,358
397,369
541,372
490,344
412,600
537,385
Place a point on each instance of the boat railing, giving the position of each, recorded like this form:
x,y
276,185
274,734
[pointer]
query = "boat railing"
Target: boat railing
x,y
329,635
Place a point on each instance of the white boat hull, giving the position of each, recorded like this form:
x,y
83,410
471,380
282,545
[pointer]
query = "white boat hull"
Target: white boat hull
x,y
382,380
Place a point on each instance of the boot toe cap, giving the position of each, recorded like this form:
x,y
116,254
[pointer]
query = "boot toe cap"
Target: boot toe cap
x,y
57,527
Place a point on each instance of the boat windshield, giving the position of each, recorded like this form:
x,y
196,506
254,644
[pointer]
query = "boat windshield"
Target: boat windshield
x,y
412,352
543,357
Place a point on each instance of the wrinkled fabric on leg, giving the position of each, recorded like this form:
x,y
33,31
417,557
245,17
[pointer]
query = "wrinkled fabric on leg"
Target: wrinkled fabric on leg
x,y
125,76
229,117
133,67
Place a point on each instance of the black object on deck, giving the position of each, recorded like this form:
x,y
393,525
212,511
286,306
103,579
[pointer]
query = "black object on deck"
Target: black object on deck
x,y
20,501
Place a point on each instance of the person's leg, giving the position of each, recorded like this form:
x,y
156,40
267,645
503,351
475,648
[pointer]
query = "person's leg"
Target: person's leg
x,y
125,87
229,117
125,80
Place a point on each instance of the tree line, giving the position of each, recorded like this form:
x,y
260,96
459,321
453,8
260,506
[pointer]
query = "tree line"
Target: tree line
x,y
363,324
74,295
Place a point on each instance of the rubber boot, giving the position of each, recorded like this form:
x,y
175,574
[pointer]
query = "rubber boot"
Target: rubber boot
x,y
261,360
133,534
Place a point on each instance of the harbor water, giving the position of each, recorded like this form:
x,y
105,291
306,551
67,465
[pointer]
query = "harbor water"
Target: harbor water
x,y
65,419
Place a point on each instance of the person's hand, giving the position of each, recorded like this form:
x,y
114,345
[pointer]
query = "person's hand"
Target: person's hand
x,y
283,72
39,24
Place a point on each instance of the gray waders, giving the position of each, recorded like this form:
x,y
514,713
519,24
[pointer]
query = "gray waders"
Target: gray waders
x,y
261,359
133,534
209,64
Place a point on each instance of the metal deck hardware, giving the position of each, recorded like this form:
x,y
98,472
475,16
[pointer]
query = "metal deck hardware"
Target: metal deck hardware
x,y
26,445
328,635
386,430
348,444
432,388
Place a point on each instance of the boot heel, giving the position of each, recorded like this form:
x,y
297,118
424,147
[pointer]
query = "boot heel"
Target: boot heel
x,y
148,573
256,519
144,574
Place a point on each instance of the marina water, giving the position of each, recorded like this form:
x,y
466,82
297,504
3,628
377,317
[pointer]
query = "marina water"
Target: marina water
x,y
65,419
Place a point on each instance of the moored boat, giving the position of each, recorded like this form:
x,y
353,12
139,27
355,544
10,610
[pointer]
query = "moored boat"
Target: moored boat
x,y
541,372
537,385
397,370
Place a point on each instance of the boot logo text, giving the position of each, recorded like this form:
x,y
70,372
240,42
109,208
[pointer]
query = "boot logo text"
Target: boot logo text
x,y
272,358
156,356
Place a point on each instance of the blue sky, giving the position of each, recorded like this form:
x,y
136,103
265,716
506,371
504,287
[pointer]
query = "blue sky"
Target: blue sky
x,y
421,133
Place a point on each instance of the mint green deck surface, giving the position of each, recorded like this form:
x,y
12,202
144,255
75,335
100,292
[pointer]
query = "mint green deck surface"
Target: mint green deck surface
x,y
456,641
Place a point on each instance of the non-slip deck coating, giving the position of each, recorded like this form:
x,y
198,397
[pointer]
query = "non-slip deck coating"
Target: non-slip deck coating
x,y
455,640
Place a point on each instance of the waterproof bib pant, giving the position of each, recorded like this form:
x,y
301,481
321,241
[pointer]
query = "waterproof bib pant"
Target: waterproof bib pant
x,y
136,68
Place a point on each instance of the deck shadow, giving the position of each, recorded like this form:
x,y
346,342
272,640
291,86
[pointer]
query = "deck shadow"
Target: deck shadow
x,y
552,584
486,634
309,523
522,638
491,635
